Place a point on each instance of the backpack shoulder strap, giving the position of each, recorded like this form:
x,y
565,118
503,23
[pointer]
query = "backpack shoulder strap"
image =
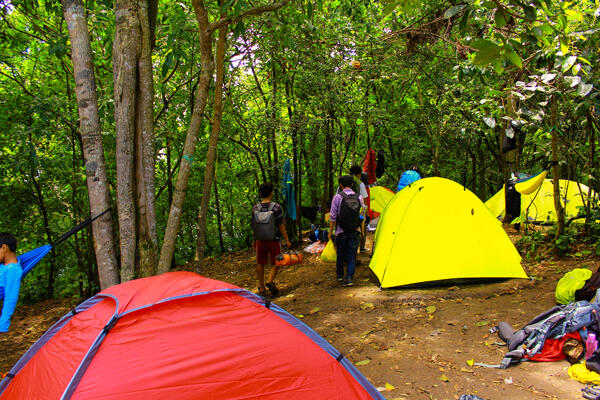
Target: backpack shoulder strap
x,y
343,194
271,206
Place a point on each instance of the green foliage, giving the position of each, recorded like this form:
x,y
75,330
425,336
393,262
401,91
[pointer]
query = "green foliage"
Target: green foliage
x,y
529,245
430,83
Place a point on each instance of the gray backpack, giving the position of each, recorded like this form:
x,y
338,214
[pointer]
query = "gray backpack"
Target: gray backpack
x,y
263,223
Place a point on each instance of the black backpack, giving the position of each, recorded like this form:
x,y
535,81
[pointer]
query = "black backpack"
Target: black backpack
x,y
263,223
349,217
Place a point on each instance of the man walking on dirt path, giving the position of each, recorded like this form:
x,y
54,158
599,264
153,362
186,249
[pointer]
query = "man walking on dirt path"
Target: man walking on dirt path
x,y
344,217
268,225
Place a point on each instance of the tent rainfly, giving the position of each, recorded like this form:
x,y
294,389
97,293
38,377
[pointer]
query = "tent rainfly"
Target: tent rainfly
x,y
182,336
437,230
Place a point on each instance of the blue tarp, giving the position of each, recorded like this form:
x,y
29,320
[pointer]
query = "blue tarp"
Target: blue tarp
x,y
287,191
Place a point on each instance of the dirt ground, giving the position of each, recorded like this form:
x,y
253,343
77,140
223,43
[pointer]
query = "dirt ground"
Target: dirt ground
x,y
396,337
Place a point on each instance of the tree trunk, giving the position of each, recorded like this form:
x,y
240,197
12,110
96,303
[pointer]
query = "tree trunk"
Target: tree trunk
x,y
44,211
560,211
125,51
134,124
211,154
219,222
272,117
327,167
145,166
206,57
91,137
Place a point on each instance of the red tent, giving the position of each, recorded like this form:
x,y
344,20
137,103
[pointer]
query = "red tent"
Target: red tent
x,y
182,336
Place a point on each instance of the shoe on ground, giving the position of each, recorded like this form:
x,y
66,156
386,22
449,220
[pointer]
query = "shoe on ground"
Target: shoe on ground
x,y
262,293
272,288
340,278
349,283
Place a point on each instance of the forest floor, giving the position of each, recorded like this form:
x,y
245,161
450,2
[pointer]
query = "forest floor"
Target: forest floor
x,y
397,339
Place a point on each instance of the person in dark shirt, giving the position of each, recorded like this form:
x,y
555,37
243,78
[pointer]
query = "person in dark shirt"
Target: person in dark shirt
x,y
268,250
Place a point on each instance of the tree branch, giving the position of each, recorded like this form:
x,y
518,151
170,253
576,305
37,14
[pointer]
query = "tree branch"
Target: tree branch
x,y
253,11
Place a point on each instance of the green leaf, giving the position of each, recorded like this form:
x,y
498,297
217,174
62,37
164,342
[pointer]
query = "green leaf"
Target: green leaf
x,y
227,5
431,309
573,14
514,58
167,64
389,8
568,63
490,121
564,45
482,323
452,11
572,81
530,12
498,67
488,52
481,44
500,19
517,45
239,28
584,89
464,20
363,362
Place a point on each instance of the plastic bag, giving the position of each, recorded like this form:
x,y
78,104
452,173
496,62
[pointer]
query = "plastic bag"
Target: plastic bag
x,y
329,254
315,248
570,283
580,373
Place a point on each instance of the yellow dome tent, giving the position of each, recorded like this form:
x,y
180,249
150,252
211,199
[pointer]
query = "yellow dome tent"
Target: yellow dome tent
x,y
380,196
436,230
539,205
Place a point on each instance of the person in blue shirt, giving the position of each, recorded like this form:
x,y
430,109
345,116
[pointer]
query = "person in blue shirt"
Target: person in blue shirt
x,y
408,177
10,278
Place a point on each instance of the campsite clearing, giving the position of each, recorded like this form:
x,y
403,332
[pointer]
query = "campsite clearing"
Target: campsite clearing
x,y
420,342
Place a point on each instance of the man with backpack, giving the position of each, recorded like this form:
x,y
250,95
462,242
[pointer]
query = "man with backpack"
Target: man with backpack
x,y
267,225
344,223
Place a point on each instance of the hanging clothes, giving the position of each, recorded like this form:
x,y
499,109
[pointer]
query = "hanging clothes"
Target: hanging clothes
x,y
287,192
370,165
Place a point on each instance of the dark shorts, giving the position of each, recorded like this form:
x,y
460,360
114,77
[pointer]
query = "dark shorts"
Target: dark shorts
x,y
267,250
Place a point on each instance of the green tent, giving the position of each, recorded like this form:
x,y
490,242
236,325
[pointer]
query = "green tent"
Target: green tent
x,y
538,206
437,230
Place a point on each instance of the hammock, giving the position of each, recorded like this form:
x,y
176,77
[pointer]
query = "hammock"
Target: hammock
x,y
530,183
31,258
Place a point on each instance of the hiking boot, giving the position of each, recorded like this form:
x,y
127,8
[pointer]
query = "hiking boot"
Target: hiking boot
x,y
349,283
272,288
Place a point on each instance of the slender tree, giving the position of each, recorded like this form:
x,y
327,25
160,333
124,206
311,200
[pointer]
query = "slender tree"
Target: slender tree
x,y
91,137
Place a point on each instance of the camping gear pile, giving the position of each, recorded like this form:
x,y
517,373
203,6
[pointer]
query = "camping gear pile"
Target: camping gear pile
x,y
182,336
563,332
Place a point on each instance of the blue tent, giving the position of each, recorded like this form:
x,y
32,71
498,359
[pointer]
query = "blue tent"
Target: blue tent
x,y
287,191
